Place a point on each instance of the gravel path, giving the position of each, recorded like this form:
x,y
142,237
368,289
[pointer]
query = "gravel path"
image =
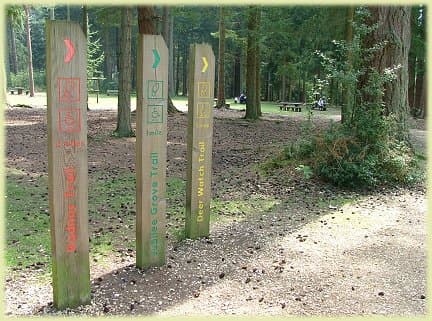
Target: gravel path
x,y
367,257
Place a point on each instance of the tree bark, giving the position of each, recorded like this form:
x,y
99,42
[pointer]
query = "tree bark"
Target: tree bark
x,y
412,70
423,100
221,62
171,58
146,25
177,69
237,74
347,106
184,69
165,24
419,85
13,51
124,126
252,108
258,64
85,20
29,51
146,19
283,95
393,27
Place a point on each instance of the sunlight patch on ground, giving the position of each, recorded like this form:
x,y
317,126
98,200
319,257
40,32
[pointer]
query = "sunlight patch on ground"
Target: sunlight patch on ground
x,y
16,123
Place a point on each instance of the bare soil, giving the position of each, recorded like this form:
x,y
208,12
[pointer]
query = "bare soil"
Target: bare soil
x,y
310,255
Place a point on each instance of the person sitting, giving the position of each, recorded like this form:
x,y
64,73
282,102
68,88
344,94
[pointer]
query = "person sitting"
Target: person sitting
x,y
321,103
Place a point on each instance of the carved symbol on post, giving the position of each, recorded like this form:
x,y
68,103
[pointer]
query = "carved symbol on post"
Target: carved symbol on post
x,y
203,89
204,68
71,50
154,89
68,90
156,58
203,110
155,114
69,120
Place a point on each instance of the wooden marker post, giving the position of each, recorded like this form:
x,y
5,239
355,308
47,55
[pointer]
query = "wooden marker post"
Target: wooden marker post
x,y
151,140
66,50
199,140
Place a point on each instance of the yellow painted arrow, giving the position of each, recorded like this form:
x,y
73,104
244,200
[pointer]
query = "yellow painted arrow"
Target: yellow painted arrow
x,y
204,59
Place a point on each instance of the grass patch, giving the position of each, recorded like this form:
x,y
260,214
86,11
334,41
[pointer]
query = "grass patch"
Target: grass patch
x,y
27,221
226,211
111,211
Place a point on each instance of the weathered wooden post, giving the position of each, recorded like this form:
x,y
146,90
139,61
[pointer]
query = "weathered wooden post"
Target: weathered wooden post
x,y
199,140
66,50
151,139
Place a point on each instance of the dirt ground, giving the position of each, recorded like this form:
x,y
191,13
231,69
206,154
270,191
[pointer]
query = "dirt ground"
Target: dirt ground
x,y
367,257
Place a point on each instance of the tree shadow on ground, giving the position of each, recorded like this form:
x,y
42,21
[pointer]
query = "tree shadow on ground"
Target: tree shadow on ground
x,y
230,253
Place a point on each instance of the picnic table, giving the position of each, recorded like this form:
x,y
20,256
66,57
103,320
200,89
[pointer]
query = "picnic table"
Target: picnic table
x,y
19,90
96,86
294,106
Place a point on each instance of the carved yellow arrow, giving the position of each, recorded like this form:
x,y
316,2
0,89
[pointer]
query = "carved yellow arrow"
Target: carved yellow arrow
x,y
204,59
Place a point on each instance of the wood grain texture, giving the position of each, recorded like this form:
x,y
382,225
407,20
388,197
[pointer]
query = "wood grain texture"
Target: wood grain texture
x,y
199,140
67,162
151,140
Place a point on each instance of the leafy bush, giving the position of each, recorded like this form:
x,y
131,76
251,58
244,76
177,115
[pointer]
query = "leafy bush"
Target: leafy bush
x,y
365,156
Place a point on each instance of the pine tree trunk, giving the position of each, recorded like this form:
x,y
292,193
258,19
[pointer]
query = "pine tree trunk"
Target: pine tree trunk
x,y
171,58
29,51
393,27
13,51
165,24
258,64
85,32
419,85
177,69
146,25
237,76
412,70
347,106
146,20
411,82
251,68
185,70
85,20
423,100
283,94
124,126
221,62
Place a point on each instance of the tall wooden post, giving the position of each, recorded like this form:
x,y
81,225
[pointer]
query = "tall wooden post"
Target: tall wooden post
x,y
199,140
66,50
151,120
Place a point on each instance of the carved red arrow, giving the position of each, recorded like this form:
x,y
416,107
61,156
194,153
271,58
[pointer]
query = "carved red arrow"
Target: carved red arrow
x,y
71,50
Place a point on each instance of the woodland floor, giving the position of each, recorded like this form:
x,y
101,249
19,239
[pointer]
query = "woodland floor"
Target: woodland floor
x,y
312,253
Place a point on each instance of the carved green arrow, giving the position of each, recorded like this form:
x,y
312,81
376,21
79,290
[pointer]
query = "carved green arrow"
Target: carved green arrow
x,y
156,58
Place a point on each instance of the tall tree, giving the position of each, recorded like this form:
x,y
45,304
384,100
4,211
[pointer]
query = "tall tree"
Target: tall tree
x,y
15,18
252,108
391,29
349,87
124,126
167,34
221,62
420,84
146,17
85,20
29,50
258,64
